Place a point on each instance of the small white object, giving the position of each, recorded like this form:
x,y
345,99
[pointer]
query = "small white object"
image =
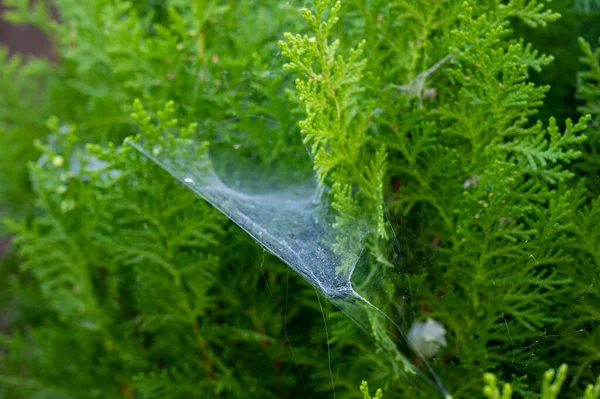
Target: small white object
x,y
427,337
58,161
188,180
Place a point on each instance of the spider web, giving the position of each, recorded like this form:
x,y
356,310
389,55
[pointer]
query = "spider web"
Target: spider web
x,y
288,214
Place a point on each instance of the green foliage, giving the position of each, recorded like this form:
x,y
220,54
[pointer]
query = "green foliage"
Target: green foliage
x,y
588,90
98,221
20,83
429,126
364,389
336,126
125,266
551,386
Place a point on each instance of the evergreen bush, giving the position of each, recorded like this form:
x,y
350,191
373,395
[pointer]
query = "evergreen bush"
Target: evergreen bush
x,y
457,141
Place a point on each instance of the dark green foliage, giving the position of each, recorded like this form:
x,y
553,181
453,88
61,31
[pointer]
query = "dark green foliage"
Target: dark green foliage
x,y
424,119
22,84
588,90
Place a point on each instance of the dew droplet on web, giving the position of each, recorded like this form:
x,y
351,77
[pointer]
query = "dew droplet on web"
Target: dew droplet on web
x,y
188,180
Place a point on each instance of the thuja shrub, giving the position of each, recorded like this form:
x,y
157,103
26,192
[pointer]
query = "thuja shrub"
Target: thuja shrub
x,y
454,142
